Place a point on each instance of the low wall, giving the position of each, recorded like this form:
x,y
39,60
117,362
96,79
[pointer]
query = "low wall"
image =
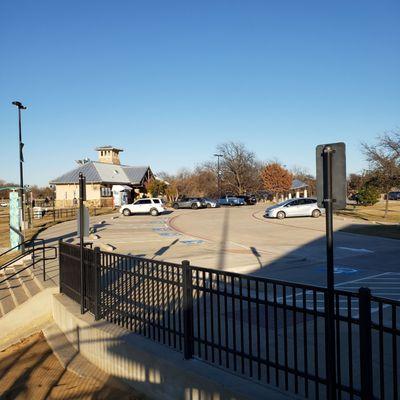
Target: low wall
x,y
155,370
26,319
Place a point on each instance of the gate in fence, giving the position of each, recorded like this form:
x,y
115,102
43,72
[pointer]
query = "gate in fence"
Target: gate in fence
x,y
266,330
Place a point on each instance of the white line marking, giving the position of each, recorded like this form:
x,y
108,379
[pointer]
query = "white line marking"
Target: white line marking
x,y
362,279
382,282
373,288
356,250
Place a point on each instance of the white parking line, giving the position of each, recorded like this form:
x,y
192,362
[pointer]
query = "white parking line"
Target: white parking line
x,y
356,249
378,284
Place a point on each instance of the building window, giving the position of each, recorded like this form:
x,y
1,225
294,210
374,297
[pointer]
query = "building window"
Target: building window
x,y
105,192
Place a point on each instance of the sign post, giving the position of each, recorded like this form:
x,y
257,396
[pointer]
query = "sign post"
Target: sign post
x,y
331,194
82,198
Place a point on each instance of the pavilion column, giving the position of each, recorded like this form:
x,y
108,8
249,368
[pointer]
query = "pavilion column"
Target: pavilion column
x,y
305,193
290,195
297,194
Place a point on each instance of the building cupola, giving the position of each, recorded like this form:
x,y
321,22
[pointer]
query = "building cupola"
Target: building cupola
x,y
108,154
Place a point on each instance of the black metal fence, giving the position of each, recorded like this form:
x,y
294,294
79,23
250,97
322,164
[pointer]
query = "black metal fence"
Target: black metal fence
x,y
263,329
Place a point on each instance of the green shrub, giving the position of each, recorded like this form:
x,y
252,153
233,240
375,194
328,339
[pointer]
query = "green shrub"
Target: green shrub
x,y
368,195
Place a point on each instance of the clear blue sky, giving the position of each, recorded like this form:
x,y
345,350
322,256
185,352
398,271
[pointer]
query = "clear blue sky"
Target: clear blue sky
x,y
169,80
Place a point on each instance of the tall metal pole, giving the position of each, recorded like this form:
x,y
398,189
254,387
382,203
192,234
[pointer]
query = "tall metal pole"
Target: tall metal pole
x,y
21,169
330,344
82,183
218,174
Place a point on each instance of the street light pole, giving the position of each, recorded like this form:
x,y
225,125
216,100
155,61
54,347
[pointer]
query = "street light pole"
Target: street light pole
x,y
21,161
218,174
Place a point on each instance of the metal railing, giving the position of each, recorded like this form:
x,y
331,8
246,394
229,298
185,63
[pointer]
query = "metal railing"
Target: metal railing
x,y
263,329
30,248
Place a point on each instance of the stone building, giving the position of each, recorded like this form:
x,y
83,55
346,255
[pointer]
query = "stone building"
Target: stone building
x,y
108,182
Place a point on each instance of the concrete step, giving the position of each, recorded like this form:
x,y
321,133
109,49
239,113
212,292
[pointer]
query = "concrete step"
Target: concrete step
x,y
26,284
6,299
30,284
17,290
52,272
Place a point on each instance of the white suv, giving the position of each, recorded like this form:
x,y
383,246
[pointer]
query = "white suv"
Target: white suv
x,y
143,206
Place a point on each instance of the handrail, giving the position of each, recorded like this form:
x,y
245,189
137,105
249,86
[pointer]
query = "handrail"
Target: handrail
x,y
16,258
34,260
26,242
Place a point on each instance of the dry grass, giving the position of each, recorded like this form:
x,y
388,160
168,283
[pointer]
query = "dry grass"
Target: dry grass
x,y
375,212
385,227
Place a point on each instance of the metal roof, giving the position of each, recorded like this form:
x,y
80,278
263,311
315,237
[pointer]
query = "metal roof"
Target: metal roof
x,y
98,172
298,184
108,147
135,174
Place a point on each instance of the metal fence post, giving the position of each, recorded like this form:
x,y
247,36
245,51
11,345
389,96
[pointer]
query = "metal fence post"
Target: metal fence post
x,y
188,333
44,261
365,343
96,278
60,261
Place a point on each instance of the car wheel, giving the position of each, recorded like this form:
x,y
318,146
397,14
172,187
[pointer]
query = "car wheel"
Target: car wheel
x,y
208,205
280,215
154,212
126,212
316,214
175,205
195,206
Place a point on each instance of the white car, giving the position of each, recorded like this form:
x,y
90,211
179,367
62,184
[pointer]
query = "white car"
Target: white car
x,y
302,207
143,206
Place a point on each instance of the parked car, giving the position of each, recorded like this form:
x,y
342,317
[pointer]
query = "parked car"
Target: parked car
x,y
248,199
394,195
303,207
189,202
231,201
209,203
3,204
143,206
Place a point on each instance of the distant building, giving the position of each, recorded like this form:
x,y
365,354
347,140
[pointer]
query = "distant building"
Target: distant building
x,y
108,183
298,189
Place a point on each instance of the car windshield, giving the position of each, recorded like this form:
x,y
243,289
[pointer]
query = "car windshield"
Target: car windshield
x,y
283,203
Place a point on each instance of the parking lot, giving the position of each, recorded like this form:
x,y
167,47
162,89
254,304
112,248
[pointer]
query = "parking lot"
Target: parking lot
x,y
240,239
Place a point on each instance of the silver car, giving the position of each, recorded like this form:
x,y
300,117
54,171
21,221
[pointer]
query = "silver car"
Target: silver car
x,y
303,207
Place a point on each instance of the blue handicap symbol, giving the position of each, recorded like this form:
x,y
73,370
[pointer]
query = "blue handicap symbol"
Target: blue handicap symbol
x,y
192,241
340,270
168,234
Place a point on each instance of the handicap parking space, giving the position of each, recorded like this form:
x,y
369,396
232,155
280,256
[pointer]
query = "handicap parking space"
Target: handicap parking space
x,y
386,284
383,285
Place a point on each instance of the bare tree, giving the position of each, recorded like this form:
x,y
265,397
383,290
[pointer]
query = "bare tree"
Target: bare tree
x,y
355,182
384,163
239,168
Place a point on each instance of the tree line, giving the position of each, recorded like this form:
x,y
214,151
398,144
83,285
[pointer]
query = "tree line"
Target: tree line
x,y
240,172
37,191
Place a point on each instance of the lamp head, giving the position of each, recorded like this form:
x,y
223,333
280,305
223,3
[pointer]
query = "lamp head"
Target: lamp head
x,y
19,105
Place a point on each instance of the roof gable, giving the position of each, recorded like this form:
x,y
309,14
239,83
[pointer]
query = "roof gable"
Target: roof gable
x,y
135,174
97,172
